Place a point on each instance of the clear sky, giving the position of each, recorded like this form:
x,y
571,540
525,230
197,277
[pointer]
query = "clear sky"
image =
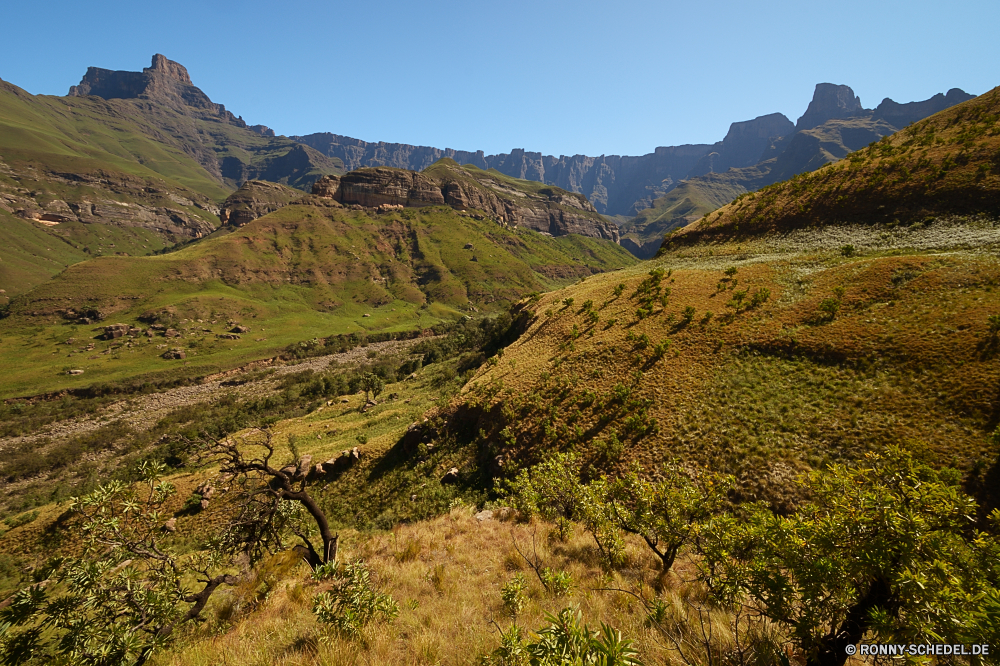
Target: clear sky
x,y
558,77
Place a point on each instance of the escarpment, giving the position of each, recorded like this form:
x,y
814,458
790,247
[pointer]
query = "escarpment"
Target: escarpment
x,y
509,201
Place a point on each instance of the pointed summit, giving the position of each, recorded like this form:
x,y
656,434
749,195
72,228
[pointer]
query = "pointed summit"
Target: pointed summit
x,y
169,69
829,101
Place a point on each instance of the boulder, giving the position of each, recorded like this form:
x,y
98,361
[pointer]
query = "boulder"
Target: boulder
x,y
174,354
171,333
115,331
240,329
170,525
74,372
450,477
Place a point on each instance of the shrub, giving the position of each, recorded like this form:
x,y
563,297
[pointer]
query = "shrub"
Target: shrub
x,y
688,315
566,640
884,550
848,251
559,583
512,595
353,602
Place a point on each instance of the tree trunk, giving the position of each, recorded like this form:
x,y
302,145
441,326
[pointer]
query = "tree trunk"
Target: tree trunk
x,y
330,540
832,648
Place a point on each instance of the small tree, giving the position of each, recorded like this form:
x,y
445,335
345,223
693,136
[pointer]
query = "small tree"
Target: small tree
x,y
372,385
667,514
121,600
885,549
269,493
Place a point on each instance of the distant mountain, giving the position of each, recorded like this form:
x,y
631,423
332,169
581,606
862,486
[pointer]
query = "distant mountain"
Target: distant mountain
x,y
128,163
616,185
232,157
946,164
833,126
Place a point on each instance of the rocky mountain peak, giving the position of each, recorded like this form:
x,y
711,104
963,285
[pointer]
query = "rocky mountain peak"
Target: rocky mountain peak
x,y
164,82
829,101
169,69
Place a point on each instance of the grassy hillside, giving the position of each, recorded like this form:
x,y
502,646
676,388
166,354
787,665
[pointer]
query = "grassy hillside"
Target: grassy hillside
x,y
943,165
686,203
140,175
308,270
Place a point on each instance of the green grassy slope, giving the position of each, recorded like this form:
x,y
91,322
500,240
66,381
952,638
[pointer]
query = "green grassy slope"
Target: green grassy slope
x,y
943,165
307,270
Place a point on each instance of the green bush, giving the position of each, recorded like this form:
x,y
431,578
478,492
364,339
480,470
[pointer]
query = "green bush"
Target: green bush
x,y
353,602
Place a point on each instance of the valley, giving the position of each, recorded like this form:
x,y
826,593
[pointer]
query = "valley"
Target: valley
x,y
309,400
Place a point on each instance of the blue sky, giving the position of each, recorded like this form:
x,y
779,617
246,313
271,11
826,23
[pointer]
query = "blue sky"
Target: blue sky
x,y
557,77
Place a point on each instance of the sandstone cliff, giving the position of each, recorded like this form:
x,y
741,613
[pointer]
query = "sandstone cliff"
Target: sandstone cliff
x,y
511,202
616,184
255,198
164,81
829,102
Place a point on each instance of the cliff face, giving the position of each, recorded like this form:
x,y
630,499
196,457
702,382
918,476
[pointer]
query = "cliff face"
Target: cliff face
x,y
163,98
901,115
164,82
744,144
828,103
509,201
255,198
615,184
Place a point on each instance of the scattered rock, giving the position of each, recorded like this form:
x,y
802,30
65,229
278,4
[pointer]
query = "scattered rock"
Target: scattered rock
x,y
484,515
172,333
170,525
204,504
240,329
74,372
228,336
469,246
366,315
115,331
174,354
451,476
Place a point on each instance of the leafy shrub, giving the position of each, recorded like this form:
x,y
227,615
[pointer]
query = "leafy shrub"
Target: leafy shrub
x,y
848,251
565,641
353,602
512,595
559,583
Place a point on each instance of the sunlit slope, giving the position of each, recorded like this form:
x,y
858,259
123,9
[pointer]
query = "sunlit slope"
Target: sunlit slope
x,y
943,165
307,270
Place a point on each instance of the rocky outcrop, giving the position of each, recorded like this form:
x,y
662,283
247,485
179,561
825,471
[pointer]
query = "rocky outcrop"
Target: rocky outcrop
x,y
255,198
616,184
829,101
549,210
164,82
744,144
901,115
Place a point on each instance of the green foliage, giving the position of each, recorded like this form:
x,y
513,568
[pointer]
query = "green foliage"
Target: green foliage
x,y
885,550
353,602
829,307
668,513
559,583
23,519
993,321
372,385
119,601
848,251
566,641
620,289
688,315
512,595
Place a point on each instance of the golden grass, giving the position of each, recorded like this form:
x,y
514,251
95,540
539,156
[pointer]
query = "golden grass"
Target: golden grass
x,y
449,597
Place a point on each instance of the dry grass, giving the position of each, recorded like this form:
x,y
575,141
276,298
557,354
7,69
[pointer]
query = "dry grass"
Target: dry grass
x,y
449,597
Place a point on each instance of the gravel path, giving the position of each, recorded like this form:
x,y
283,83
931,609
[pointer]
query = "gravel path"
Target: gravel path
x,y
145,411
